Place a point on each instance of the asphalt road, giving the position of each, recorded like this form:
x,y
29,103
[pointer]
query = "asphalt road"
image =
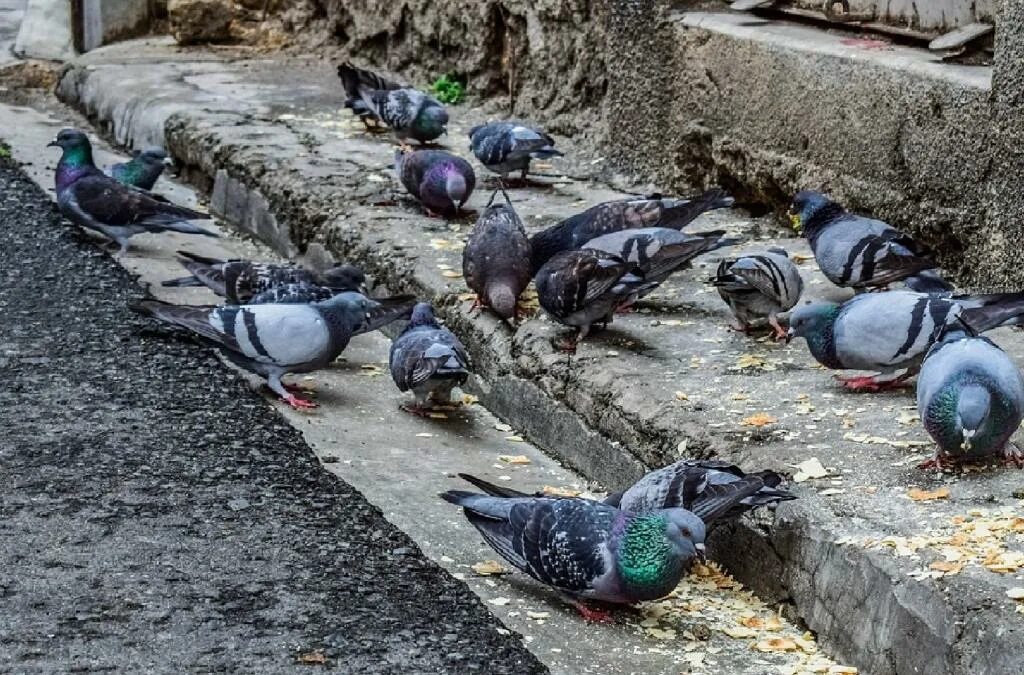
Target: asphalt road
x,y
156,515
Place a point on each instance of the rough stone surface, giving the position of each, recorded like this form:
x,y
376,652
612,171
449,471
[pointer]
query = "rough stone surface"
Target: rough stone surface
x,y
276,129
195,21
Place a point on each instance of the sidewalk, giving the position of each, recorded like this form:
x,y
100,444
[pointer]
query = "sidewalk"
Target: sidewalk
x,y
284,161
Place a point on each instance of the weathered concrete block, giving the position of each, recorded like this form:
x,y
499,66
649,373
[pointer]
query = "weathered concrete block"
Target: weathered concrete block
x,y
194,21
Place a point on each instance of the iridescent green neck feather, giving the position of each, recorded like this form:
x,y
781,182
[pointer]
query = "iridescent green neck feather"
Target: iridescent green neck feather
x,y
646,557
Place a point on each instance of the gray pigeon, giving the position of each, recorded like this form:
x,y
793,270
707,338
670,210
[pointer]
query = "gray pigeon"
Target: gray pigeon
x,y
274,340
91,199
504,147
579,288
759,286
623,214
428,359
409,112
658,252
970,396
239,281
585,549
852,250
439,180
891,331
706,488
496,260
142,170
301,293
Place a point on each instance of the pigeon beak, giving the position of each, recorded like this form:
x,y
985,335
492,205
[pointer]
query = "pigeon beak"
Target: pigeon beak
x,y
168,161
789,336
53,144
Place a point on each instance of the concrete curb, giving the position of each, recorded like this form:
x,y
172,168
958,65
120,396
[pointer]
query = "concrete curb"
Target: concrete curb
x,y
268,180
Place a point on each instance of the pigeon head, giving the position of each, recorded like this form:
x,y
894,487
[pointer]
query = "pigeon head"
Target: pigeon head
x,y
154,156
431,122
972,410
76,146
345,278
814,323
805,206
422,315
352,310
686,531
455,185
501,299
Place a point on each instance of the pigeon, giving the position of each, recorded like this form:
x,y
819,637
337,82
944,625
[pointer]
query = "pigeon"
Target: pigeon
x,y
301,293
496,259
657,252
585,549
408,112
854,251
276,339
970,396
238,281
142,170
699,486
441,181
759,286
428,359
579,288
509,146
91,199
891,331
624,214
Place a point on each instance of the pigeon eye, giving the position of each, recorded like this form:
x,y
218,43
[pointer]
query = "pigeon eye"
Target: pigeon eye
x,y
685,531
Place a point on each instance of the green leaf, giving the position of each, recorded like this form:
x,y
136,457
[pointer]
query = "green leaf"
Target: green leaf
x,y
448,90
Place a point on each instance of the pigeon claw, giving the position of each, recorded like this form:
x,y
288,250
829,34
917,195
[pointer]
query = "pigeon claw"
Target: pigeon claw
x,y
870,383
414,409
593,614
939,463
1013,456
779,333
299,403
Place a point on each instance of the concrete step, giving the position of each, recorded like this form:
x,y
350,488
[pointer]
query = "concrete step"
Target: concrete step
x,y
853,555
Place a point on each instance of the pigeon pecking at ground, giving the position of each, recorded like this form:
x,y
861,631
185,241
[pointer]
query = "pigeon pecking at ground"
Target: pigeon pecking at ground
x,y
580,288
407,111
699,486
633,213
854,251
91,199
891,331
504,147
658,252
758,287
970,396
496,259
276,339
239,281
142,170
428,359
585,549
439,180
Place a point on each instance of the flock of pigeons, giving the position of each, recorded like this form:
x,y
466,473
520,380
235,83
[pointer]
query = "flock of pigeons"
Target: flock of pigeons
x,y
635,545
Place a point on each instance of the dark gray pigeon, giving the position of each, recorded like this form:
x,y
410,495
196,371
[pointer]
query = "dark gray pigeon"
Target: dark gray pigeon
x,y
624,214
585,549
504,147
429,360
274,340
706,488
658,252
302,293
496,260
970,396
758,287
891,331
239,281
408,112
142,170
439,180
579,288
91,199
854,251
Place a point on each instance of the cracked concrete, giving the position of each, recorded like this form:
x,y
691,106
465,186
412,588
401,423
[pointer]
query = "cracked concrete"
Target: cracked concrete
x,y
268,138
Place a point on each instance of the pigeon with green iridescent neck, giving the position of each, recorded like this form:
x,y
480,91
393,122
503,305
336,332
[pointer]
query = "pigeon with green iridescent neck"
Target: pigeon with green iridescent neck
x,y
427,359
91,199
496,259
890,332
970,396
408,112
276,339
585,549
440,181
143,170
504,147
624,214
758,287
852,250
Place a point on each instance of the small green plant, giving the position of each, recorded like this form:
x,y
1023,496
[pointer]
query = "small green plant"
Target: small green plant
x,y
5,152
448,89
